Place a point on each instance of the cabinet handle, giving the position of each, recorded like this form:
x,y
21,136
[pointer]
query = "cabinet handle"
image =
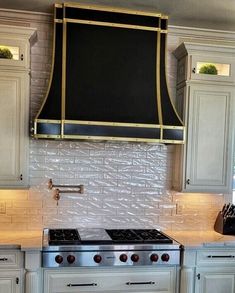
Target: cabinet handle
x,y
194,70
140,283
188,181
221,256
4,259
17,281
21,176
198,276
81,285
22,57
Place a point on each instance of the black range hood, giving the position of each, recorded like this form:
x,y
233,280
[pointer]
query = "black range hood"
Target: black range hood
x,y
108,80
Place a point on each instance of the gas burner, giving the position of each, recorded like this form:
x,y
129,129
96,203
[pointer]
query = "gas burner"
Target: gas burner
x,y
123,235
152,235
63,237
138,236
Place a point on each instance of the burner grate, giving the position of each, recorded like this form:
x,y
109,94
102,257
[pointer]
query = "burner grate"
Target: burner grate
x,y
63,237
138,236
123,235
152,235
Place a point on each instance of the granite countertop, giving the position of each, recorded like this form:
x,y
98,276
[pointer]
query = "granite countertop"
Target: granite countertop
x,y
24,240
202,239
32,240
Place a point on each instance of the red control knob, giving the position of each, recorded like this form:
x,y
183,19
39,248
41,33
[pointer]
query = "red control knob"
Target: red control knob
x,y
123,257
97,258
134,257
154,257
71,259
165,257
59,259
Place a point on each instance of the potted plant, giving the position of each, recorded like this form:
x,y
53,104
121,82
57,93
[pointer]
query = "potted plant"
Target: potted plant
x,y
5,53
208,69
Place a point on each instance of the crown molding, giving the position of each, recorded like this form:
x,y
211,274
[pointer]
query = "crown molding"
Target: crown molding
x,y
199,35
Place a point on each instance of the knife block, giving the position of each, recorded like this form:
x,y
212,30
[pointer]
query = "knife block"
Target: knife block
x,y
225,226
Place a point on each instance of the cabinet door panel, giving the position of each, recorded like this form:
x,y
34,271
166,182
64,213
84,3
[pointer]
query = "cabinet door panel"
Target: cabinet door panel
x,y
216,283
208,138
10,282
13,125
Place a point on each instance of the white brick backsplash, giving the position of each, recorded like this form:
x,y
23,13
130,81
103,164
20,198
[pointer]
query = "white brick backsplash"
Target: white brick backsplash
x,y
126,184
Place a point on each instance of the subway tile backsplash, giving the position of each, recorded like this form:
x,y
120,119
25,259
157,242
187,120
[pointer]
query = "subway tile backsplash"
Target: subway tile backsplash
x,y
126,184
119,191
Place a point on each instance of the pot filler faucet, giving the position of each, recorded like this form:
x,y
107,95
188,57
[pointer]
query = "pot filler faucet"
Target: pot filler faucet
x,y
65,189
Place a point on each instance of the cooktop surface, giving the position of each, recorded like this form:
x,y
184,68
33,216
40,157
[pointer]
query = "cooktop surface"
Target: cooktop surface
x,y
106,236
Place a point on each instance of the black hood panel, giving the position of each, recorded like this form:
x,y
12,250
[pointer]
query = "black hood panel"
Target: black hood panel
x,y
108,80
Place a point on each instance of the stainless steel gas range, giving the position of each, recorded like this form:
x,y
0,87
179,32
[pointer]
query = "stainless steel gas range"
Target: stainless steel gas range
x,y
108,247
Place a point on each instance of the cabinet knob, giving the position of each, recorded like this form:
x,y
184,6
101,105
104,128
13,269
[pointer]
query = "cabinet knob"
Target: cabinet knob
x,y
188,181
21,176
21,57
194,70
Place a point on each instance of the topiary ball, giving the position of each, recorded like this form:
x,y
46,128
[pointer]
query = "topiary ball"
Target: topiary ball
x,y
208,69
5,53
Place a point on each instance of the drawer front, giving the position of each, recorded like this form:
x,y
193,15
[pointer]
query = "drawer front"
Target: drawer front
x,y
214,257
10,259
64,282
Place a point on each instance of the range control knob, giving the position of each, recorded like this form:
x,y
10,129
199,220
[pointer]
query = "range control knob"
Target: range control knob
x,y
97,258
154,257
59,259
123,257
134,257
71,259
165,257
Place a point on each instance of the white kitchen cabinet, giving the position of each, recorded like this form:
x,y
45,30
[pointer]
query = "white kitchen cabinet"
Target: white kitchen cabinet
x,y
122,280
14,106
208,270
10,282
219,280
11,271
206,104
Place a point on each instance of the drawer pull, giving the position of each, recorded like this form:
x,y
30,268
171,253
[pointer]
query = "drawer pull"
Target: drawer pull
x,y
81,285
221,256
140,283
4,259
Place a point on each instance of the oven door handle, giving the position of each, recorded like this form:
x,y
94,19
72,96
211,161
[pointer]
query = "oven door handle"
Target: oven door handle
x,y
140,283
81,285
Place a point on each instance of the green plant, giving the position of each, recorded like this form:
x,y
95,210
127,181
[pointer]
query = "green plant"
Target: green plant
x,y
208,69
5,53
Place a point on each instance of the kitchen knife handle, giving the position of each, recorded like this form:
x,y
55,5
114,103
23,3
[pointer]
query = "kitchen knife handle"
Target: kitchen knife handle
x,y
221,256
224,206
81,285
140,283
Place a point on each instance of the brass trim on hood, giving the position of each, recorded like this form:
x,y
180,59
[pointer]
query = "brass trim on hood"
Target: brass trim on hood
x,y
112,24
112,123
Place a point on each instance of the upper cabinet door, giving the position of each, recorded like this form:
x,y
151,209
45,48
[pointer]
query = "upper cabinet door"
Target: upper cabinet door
x,y
13,139
209,138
